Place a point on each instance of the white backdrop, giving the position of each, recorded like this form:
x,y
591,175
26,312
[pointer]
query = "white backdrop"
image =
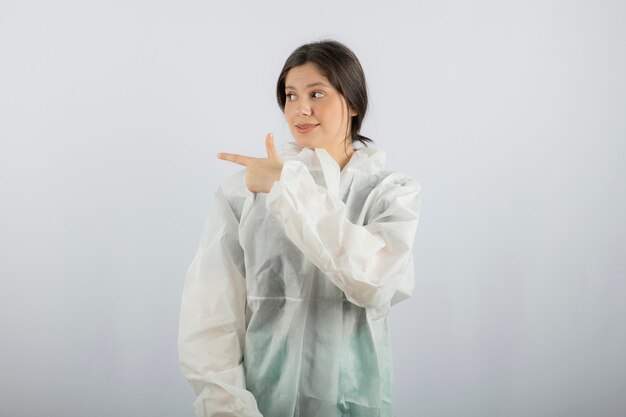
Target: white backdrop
x,y
511,115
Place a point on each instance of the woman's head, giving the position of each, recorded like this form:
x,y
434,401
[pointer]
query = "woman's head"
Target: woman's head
x,y
337,102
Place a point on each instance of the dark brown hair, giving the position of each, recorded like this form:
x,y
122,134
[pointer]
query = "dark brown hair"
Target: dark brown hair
x,y
342,68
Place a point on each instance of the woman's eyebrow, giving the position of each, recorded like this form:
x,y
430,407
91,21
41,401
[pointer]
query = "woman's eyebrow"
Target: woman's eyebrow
x,y
308,85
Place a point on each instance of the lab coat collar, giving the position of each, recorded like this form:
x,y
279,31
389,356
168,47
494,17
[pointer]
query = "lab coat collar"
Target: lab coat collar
x,y
368,160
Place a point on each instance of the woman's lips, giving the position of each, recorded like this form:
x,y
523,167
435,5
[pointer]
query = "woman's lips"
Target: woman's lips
x,y
306,127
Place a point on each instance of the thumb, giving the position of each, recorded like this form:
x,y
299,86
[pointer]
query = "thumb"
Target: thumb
x,y
270,147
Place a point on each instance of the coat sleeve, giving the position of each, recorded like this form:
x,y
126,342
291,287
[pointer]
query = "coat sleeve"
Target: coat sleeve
x,y
212,319
371,264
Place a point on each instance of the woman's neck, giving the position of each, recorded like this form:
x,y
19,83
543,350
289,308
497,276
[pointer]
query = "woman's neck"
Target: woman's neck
x,y
341,155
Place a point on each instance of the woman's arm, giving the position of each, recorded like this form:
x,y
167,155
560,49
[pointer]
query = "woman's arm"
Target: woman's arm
x,y
370,263
212,319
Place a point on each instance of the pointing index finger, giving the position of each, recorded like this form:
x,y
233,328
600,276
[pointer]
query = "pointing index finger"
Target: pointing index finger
x,y
233,157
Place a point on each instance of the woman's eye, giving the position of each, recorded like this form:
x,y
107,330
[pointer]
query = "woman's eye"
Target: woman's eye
x,y
314,93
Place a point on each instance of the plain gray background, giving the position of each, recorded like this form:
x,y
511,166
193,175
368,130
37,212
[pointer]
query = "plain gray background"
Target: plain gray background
x,y
510,114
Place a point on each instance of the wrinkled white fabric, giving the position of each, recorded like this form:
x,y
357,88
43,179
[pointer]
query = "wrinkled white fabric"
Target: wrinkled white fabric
x,y
284,309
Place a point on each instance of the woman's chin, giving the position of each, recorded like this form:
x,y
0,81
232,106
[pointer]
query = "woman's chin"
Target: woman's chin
x,y
305,141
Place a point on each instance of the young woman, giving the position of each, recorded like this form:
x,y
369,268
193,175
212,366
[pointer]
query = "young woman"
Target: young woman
x,y
285,305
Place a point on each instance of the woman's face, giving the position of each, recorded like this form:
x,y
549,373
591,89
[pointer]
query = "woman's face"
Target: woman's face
x,y
311,100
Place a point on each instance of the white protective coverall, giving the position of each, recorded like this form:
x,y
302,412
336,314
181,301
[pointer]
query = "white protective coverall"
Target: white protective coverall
x,y
285,304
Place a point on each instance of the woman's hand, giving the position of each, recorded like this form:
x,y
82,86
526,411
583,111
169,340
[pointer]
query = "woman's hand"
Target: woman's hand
x,y
260,172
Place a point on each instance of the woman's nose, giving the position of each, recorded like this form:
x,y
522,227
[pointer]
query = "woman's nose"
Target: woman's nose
x,y
303,108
